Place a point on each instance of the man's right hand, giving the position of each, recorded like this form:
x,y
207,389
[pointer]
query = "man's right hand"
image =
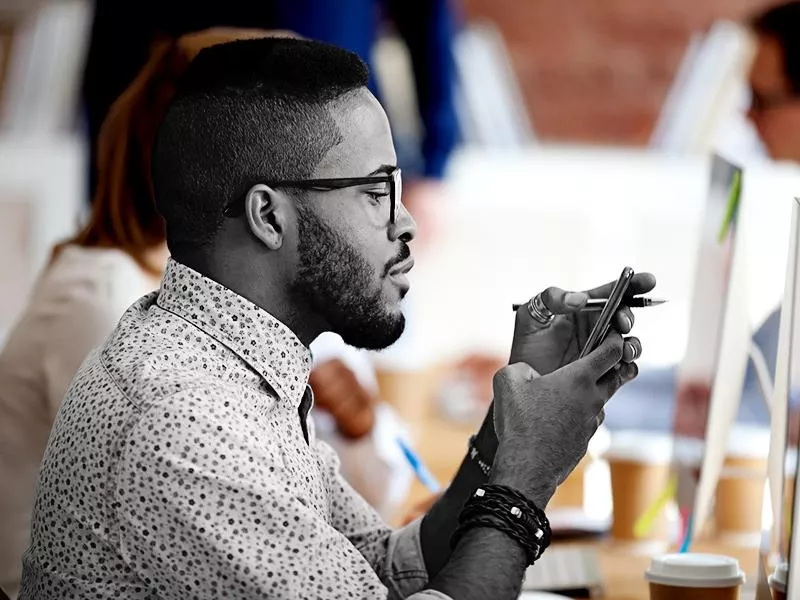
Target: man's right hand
x,y
544,422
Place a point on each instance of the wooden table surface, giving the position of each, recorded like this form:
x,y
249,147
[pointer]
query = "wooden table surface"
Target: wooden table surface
x,y
442,445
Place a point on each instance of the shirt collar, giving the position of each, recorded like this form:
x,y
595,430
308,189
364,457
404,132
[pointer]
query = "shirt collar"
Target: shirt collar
x,y
254,335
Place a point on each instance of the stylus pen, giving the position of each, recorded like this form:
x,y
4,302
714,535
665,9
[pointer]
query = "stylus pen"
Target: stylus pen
x,y
593,305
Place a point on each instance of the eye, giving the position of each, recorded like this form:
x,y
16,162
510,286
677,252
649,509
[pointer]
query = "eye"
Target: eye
x,y
376,195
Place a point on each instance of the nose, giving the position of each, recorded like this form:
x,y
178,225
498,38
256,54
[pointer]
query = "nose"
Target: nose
x,y
404,227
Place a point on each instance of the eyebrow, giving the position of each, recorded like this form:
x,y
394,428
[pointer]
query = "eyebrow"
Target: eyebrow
x,y
383,170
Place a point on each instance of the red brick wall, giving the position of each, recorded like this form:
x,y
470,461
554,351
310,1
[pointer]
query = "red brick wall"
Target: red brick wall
x,y
599,70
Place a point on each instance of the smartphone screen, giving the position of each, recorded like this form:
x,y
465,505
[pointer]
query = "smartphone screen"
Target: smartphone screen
x,y
603,324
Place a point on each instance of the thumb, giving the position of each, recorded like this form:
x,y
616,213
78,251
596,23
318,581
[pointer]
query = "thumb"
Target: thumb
x,y
561,302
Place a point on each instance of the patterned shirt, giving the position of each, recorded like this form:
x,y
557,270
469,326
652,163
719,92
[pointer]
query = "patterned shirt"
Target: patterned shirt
x,y
181,466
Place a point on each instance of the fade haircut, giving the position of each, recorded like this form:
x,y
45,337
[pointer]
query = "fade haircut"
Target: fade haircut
x,y
782,23
245,112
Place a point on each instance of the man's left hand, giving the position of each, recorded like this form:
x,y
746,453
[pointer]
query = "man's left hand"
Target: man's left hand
x,y
549,348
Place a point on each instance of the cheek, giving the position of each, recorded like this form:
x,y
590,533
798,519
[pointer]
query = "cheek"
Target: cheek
x,y
780,133
367,241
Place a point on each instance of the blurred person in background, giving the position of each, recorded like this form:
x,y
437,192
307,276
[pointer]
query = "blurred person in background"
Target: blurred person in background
x,y
118,257
774,80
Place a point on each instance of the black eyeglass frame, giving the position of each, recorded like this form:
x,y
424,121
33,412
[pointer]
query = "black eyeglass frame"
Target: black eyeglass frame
x,y
762,104
392,177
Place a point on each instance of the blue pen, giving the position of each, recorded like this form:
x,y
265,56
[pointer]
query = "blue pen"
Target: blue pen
x,y
423,474
687,540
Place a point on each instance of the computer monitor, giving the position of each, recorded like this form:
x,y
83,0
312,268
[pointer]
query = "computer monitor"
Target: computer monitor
x,y
783,545
711,375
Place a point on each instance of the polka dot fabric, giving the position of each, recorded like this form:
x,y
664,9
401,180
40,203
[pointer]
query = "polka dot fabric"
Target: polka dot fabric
x,y
178,468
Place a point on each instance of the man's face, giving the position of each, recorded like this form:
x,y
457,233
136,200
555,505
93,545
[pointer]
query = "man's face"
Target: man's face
x,y
775,110
351,259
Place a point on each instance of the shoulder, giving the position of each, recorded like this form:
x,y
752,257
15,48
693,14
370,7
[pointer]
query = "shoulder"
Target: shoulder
x,y
102,277
211,425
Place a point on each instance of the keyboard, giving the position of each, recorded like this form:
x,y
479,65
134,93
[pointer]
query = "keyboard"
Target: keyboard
x,y
569,570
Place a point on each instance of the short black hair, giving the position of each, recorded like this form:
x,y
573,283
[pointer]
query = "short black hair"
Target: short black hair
x,y
245,112
782,23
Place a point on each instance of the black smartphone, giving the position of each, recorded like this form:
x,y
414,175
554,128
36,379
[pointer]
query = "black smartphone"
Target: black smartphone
x,y
603,324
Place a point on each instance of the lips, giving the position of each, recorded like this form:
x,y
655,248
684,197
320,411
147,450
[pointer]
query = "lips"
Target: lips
x,y
402,268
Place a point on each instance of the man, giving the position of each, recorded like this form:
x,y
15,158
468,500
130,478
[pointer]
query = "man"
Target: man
x,y
182,464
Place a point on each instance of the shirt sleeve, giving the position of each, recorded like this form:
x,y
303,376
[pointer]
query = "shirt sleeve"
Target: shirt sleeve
x,y
395,554
223,519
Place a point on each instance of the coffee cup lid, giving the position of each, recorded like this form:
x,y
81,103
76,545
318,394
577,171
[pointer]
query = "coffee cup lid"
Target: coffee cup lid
x,y
600,442
790,466
749,441
689,451
779,577
695,570
640,446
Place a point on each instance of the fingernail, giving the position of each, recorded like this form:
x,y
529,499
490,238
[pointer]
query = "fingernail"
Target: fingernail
x,y
628,323
574,299
631,348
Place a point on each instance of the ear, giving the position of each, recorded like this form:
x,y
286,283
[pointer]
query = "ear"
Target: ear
x,y
268,214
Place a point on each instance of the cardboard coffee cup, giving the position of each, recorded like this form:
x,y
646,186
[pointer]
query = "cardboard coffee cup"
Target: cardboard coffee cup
x,y
789,479
778,581
571,492
694,577
639,463
740,493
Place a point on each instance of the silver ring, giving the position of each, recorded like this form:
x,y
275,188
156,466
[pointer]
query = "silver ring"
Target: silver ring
x,y
539,312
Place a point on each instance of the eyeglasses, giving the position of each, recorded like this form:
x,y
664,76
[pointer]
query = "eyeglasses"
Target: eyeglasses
x,y
760,103
391,179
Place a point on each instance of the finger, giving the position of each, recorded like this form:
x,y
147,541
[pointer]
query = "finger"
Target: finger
x,y
631,349
601,416
641,283
604,357
616,378
623,320
561,302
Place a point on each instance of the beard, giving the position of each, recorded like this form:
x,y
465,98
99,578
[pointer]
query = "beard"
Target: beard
x,y
338,283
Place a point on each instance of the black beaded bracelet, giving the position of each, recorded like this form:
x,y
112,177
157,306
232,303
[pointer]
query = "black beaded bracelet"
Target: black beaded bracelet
x,y
476,456
505,509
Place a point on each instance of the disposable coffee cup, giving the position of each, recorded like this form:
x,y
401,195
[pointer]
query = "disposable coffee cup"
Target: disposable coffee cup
x,y
639,463
570,494
740,493
778,581
694,577
789,479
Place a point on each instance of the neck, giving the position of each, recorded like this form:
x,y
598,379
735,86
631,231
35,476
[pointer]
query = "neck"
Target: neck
x,y
271,295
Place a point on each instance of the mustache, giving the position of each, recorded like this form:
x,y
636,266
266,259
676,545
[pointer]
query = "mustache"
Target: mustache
x,y
405,254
